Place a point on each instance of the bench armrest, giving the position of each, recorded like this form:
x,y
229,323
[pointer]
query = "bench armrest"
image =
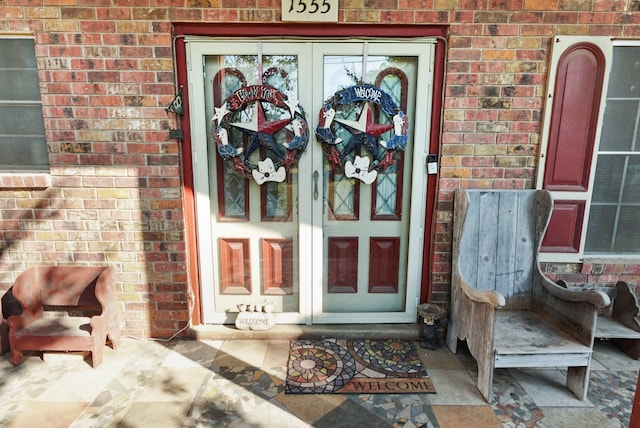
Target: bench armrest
x,y
595,297
574,311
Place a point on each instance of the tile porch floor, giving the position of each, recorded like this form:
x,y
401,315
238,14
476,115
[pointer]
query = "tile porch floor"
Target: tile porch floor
x,y
239,383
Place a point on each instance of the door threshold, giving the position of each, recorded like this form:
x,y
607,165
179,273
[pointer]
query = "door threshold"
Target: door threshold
x,y
409,332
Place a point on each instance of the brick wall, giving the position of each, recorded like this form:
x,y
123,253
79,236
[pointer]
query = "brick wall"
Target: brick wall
x,y
115,197
107,74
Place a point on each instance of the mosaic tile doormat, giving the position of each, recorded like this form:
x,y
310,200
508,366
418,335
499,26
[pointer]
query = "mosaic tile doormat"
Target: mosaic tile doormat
x,y
340,366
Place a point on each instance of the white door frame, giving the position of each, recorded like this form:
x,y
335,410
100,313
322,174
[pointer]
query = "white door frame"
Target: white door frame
x,y
310,225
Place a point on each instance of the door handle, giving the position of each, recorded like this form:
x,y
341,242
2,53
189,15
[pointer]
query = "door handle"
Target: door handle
x,y
315,184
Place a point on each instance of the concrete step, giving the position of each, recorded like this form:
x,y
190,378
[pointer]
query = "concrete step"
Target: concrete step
x,y
321,331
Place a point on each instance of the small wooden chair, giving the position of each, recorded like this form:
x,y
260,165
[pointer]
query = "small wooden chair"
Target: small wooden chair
x,y
509,313
64,308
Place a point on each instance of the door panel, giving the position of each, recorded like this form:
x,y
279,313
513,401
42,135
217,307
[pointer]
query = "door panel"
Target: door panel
x,y
319,246
365,244
249,234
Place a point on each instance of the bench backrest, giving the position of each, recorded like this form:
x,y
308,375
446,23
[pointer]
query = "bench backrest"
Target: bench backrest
x,y
500,240
57,286
69,286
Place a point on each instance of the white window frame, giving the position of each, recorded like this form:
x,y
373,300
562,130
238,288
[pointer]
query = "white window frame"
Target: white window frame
x,y
38,170
560,43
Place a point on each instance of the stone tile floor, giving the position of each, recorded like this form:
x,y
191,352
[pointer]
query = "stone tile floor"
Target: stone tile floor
x,y
240,383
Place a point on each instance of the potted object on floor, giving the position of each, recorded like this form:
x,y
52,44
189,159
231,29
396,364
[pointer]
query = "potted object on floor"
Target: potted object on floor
x,y
430,316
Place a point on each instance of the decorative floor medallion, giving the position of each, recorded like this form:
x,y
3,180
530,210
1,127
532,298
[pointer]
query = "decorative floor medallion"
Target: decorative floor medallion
x,y
355,366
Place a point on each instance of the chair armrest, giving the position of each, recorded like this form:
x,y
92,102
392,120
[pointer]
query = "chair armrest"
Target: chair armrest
x,y
574,311
17,323
493,298
595,297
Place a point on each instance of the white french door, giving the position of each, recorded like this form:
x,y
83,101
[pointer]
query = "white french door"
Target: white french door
x,y
310,230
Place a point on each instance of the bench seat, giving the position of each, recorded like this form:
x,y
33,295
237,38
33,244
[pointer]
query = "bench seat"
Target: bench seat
x,y
524,339
622,328
609,328
57,326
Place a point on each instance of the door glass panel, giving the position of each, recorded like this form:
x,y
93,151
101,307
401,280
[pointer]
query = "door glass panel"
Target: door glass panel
x,y
388,185
254,227
365,236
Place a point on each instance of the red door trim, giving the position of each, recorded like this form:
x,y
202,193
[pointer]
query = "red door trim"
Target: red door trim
x,y
182,29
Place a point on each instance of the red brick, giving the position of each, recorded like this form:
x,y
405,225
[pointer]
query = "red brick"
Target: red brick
x,y
536,30
605,30
475,115
397,16
596,18
97,26
609,5
65,51
113,13
220,15
150,13
631,31
560,17
467,29
465,54
540,4
494,16
527,17
627,18
80,13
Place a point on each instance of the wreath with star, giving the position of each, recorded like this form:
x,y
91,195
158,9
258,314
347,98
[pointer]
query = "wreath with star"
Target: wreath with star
x,y
283,148
341,148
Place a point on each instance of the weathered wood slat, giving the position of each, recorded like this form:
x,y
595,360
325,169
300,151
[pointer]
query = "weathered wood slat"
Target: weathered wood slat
x,y
542,360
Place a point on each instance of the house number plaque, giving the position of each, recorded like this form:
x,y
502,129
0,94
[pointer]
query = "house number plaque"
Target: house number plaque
x,y
310,10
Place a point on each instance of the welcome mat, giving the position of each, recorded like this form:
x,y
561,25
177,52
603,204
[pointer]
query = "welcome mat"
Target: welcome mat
x,y
340,366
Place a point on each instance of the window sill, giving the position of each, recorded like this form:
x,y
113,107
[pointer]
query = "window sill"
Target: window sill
x,y
25,181
560,258
613,259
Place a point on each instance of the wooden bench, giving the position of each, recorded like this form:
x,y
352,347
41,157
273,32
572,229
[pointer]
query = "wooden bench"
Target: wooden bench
x,y
64,308
622,328
508,312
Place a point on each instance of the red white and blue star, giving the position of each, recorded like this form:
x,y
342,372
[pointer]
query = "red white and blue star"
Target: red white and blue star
x,y
260,132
